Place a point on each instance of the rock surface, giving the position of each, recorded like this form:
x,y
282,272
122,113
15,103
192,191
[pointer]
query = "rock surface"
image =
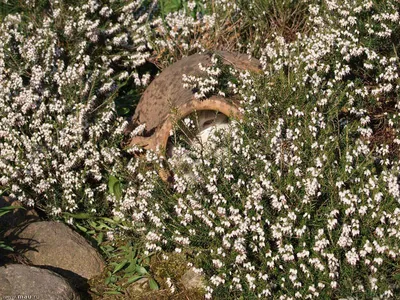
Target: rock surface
x,y
139,287
191,280
17,216
56,247
26,282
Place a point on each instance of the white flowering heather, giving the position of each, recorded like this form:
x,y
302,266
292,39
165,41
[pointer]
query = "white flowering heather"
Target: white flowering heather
x,y
305,202
209,84
59,76
299,200
180,34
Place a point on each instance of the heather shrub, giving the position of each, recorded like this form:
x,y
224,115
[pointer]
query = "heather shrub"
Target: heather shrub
x,y
62,78
299,199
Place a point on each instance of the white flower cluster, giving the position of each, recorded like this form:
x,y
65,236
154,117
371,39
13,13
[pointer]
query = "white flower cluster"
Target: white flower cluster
x,y
204,86
180,34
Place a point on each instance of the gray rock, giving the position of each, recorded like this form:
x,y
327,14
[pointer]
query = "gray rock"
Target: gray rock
x,y
16,216
139,287
57,247
191,280
26,282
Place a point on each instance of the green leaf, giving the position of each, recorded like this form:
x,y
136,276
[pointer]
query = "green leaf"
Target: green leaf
x,y
92,223
100,238
133,255
102,226
114,187
10,207
133,279
80,216
122,111
141,270
153,284
120,266
118,191
132,267
2,213
99,225
108,220
5,247
112,180
113,293
81,228
107,248
6,209
171,6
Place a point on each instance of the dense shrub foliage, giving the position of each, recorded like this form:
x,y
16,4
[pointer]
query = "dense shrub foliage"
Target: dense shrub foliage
x,y
300,199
